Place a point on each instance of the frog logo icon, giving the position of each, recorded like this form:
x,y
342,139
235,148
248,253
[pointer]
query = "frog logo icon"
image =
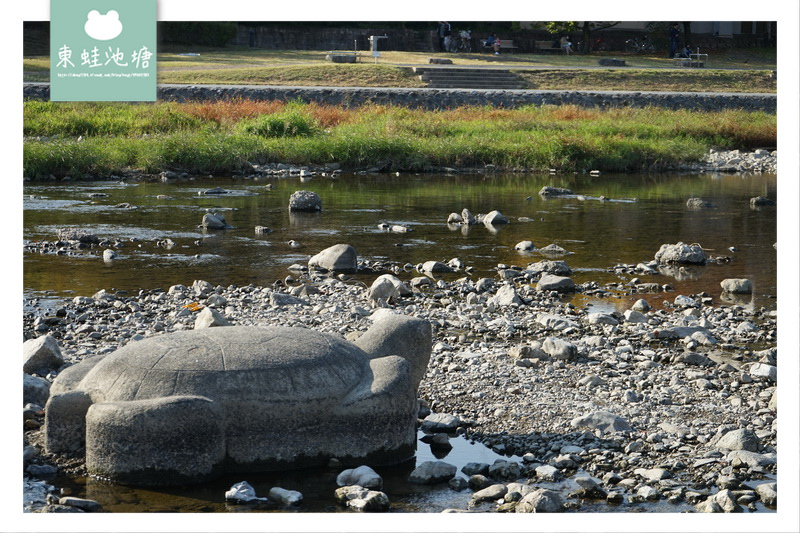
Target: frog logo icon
x,y
103,27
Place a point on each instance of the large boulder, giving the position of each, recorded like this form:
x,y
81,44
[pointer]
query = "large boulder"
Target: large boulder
x,y
737,286
187,406
338,258
547,191
739,439
506,295
41,355
541,501
363,476
307,201
558,268
362,499
681,253
431,472
214,221
388,287
551,282
495,217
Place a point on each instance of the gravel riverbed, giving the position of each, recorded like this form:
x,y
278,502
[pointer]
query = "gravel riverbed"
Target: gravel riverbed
x,y
676,404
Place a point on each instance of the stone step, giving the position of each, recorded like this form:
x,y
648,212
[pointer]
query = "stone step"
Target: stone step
x,y
453,70
476,85
468,78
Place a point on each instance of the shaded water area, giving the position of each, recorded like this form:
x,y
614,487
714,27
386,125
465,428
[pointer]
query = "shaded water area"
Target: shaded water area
x,y
318,485
611,219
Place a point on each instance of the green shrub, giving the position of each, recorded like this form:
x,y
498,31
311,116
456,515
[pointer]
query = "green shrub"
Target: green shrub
x,y
293,121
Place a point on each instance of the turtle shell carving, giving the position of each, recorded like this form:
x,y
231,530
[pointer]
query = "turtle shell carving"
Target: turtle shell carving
x,y
189,405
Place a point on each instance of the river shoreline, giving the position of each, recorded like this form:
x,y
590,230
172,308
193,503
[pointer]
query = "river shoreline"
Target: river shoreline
x,y
722,161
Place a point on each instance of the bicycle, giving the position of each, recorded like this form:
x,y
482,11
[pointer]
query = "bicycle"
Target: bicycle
x,y
639,45
462,43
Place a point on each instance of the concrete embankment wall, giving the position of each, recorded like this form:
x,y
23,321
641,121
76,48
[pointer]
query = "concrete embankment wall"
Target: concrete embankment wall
x,y
451,98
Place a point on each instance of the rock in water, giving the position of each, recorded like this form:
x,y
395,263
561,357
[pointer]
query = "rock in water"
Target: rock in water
x,y
307,201
431,472
213,221
337,258
284,496
495,217
363,476
242,492
680,253
541,501
362,499
737,286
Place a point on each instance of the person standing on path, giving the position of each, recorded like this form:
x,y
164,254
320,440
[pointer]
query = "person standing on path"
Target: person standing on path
x,y
442,32
674,39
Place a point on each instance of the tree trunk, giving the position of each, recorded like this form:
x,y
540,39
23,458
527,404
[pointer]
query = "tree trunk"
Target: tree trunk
x,y
687,33
587,37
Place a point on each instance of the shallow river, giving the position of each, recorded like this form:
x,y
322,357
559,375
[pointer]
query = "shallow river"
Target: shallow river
x,y
640,213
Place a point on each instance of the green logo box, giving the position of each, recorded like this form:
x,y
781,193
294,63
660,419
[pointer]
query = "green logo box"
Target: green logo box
x,y
103,50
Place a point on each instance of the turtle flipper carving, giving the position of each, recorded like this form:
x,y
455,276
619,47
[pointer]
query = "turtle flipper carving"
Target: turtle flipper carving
x,y
187,406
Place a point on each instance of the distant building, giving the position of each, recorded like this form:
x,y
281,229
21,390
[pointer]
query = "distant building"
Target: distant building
x,y
765,29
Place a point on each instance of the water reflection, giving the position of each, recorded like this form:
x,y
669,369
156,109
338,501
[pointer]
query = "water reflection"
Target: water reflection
x,y
600,226
316,485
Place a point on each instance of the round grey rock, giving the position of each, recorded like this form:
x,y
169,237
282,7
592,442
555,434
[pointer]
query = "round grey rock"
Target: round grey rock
x,y
680,253
336,258
307,201
432,472
551,282
540,501
737,286
41,354
739,439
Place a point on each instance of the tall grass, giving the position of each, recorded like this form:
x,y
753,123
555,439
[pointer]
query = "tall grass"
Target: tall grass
x,y
222,137
104,118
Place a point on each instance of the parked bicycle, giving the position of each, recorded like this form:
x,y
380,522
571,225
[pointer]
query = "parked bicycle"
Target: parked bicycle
x,y
461,43
639,45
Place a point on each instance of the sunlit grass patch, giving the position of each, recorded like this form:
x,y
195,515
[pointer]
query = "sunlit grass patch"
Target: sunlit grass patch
x,y
223,137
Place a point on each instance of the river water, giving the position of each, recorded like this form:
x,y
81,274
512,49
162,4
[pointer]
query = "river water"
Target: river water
x,y
638,214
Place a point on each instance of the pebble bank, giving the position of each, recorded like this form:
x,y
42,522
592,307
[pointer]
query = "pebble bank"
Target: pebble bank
x,y
673,403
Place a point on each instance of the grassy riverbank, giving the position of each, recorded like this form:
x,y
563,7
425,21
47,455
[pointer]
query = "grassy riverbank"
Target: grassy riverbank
x,y
732,70
98,139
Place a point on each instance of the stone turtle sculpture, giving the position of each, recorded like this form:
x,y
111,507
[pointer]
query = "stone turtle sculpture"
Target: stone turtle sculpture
x,y
187,406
